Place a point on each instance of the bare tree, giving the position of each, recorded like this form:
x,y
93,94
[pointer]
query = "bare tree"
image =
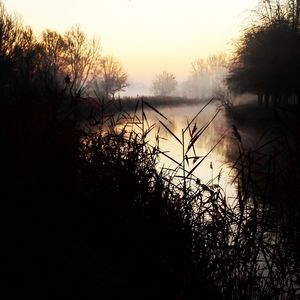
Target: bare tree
x,y
165,84
270,10
82,59
112,77
55,48
20,63
10,31
207,76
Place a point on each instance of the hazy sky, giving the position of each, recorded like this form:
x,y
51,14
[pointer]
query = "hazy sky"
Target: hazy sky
x,y
147,36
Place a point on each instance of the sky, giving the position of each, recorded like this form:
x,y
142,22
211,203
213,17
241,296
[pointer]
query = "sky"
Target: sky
x,y
147,36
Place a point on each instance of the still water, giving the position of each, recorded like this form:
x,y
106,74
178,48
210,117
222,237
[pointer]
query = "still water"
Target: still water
x,y
196,136
210,149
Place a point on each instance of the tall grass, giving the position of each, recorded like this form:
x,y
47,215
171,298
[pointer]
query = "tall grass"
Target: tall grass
x,y
229,248
96,217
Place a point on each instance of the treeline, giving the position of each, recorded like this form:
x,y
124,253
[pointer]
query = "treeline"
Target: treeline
x,y
88,215
206,79
39,68
267,57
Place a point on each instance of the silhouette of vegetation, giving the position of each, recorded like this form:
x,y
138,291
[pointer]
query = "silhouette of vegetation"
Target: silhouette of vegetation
x,y
22,68
266,63
113,78
87,214
275,175
267,56
82,60
33,68
93,107
95,217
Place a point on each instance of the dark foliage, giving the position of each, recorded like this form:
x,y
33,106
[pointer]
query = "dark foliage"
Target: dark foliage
x,y
87,214
267,58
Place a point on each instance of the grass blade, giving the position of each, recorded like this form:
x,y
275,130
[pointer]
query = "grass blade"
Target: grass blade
x,y
157,111
169,130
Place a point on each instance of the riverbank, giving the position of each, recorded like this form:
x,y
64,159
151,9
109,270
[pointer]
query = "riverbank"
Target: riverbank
x,y
270,140
91,215
272,133
93,107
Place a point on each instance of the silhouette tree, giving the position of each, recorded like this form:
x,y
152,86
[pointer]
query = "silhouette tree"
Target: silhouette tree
x,y
164,85
10,31
21,66
112,77
267,59
81,60
270,10
54,48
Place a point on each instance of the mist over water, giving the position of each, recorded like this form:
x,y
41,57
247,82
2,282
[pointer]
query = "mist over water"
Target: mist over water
x,y
206,79
130,165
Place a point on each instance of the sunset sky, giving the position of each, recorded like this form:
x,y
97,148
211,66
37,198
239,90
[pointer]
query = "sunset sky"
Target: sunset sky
x,y
147,36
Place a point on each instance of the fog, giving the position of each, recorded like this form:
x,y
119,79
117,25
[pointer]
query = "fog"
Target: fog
x,y
205,80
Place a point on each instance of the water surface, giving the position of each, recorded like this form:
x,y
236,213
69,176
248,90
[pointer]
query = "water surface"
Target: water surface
x,y
211,147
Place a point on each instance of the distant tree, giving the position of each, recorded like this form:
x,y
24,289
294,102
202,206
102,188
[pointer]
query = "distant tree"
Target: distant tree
x,y
81,60
267,58
112,78
165,84
207,76
200,78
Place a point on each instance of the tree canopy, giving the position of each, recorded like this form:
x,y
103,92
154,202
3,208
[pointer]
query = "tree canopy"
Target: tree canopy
x,y
33,68
112,77
267,57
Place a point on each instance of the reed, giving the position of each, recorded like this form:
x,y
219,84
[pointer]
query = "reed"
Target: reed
x,y
103,219
229,249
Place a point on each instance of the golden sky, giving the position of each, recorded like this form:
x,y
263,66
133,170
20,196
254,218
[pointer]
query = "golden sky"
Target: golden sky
x,y
147,36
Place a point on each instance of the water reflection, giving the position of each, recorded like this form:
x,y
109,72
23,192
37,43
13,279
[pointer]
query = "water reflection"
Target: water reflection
x,y
206,157
236,235
209,150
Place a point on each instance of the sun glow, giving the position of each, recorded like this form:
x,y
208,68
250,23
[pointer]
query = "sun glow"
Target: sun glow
x,y
146,36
